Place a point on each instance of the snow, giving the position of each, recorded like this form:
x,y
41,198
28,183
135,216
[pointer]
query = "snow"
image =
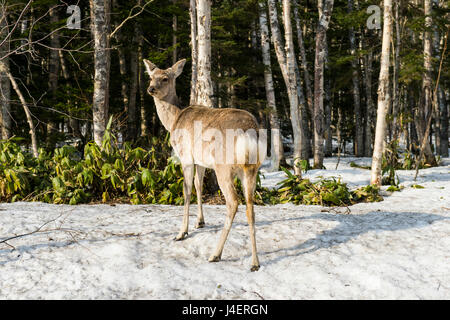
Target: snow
x,y
395,249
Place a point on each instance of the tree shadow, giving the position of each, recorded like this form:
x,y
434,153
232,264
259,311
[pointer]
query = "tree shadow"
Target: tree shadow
x,y
352,226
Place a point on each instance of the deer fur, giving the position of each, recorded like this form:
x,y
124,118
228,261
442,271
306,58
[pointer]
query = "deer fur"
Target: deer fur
x,y
176,120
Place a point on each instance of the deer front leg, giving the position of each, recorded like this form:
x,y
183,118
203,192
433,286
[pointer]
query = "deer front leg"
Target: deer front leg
x,y
188,173
198,181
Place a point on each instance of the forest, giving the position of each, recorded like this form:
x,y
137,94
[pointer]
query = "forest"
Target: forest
x,y
100,173
368,78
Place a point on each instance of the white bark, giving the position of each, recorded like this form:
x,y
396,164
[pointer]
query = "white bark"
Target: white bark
x,y
100,25
427,86
5,103
288,65
204,85
383,96
276,143
194,51
319,125
359,133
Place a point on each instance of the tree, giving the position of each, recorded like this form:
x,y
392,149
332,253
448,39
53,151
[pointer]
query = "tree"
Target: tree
x,y
100,27
288,65
319,120
204,87
277,146
5,105
383,96
427,86
359,130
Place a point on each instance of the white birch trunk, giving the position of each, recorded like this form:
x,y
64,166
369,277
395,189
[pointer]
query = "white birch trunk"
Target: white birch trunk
x,y
194,51
359,133
100,25
5,103
204,85
276,143
319,125
383,96
287,62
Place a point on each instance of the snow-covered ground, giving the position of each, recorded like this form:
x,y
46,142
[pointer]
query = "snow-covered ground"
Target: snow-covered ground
x,y
395,249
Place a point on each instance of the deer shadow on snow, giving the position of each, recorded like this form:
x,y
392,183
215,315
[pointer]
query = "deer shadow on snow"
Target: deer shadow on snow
x,y
350,227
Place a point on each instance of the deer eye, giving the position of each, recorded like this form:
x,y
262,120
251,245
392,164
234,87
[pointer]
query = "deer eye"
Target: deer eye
x,y
165,79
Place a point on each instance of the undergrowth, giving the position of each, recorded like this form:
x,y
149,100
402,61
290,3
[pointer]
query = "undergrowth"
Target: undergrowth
x,y
135,175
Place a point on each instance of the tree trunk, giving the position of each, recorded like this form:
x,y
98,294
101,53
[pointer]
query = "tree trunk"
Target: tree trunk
x,y
370,108
204,85
276,143
73,123
53,68
100,25
441,104
124,90
359,129
194,51
427,85
144,129
287,62
383,96
395,84
304,61
5,103
174,36
132,112
5,70
319,125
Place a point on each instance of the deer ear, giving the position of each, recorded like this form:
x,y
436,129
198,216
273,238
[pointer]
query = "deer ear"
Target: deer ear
x,y
149,66
177,68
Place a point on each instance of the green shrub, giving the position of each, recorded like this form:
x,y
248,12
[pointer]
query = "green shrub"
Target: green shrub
x,y
138,176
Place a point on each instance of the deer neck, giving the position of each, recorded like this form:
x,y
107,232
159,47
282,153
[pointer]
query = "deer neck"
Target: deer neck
x,y
172,99
167,112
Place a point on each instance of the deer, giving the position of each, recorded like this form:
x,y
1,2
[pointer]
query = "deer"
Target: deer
x,y
187,128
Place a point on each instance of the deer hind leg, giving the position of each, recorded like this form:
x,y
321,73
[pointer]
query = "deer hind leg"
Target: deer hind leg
x,y
188,173
198,181
225,180
249,185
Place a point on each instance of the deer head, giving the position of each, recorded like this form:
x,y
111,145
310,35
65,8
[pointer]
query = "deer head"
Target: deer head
x,y
162,82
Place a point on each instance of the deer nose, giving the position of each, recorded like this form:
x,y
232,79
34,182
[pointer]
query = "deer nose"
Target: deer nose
x,y
151,89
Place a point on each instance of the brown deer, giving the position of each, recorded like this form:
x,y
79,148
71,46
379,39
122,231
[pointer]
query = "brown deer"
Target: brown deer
x,y
197,137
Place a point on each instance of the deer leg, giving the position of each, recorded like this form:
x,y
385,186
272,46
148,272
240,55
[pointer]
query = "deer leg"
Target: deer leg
x,y
188,173
249,184
225,180
198,181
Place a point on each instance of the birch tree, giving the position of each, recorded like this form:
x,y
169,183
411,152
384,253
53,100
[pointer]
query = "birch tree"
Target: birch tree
x,y
383,96
319,120
53,75
288,64
5,104
276,144
204,87
194,50
100,27
359,130
426,110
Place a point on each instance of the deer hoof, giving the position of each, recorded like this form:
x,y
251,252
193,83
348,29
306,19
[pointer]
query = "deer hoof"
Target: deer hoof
x,y
181,236
254,268
200,225
214,259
